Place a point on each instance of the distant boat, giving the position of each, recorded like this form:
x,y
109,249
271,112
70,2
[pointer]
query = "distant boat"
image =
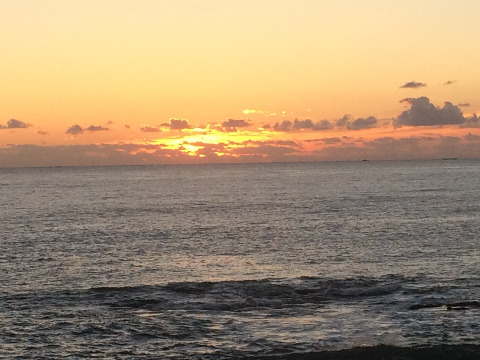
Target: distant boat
x,y
450,158
365,160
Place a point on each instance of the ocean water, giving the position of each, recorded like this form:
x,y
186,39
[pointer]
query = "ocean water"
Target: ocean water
x,y
371,260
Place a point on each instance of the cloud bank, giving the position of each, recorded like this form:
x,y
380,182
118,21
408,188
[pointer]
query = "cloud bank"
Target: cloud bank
x,y
327,149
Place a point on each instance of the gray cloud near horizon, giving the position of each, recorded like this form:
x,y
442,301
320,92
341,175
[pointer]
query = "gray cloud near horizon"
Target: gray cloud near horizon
x,y
15,124
288,125
232,123
412,85
97,128
77,129
362,123
322,125
336,149
179,124
149,129
357,124
423,113
74,130
285,125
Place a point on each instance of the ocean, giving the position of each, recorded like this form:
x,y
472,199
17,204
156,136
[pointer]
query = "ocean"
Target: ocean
x,y
340,260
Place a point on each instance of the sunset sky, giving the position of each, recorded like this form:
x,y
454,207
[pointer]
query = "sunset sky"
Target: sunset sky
x,y
96,82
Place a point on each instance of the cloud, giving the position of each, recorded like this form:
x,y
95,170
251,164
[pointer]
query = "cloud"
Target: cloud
x,y
15,124
322,125
330,141
97,128
303,124
261,112
362,123
463,105
472,137
74,130
473,122
344,120
88,155
416,147
40,132
179,124
253,111
231,123
285,125
357,124
412,85
149,129
289,143
424,113
264,151
449,82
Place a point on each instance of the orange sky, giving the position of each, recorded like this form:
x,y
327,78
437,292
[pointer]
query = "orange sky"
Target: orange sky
x,y
152,81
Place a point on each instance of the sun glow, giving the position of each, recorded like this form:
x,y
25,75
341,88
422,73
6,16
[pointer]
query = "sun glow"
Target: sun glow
x,y
201,141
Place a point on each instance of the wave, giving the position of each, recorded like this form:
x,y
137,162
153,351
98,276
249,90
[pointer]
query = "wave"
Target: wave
x,y
301,318
242,295
415,292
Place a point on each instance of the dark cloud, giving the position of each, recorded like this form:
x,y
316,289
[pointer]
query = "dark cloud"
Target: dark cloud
x,y
450,139
127,126
424,113
15,124
472,137
285,125
149,129
302,124
463,105
40,132
264,151
88,155
231,123
449,82
412,85
330,141
97,128
284,143
322,125
344,120
408,100
358,124
362,123
179,124
419,147
473,121
74,130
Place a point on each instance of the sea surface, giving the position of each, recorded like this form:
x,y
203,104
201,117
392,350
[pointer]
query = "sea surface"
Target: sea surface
x,y
370,260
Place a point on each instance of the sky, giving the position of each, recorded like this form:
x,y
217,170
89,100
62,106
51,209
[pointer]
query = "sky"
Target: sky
x,y
118,82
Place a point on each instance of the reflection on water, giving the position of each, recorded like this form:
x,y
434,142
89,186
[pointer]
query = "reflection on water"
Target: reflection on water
x,y
237,259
